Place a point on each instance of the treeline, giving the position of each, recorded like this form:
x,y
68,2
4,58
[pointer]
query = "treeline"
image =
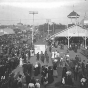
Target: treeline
x,y
44,27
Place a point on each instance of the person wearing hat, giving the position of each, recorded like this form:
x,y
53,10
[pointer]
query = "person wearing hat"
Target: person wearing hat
x,y
19,81
21,62
55,61
36,69
50,75
31,85
83,66
76,72
87,68
64,71
68,78
33,80
37,56
83,83
42,57
61,61
68,73
45,81
87,65
28,78
37,84
55,73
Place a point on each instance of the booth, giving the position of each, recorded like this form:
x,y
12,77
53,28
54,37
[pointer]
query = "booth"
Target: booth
x,y
39,48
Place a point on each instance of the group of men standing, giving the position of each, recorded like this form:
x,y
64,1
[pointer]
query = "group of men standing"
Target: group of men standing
x,y
42,57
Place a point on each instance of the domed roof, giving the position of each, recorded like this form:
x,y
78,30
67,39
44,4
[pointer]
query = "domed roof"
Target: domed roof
x,y
84,21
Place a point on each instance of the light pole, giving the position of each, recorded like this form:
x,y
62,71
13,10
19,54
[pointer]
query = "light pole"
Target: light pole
x,y
33,13
53,28
48,20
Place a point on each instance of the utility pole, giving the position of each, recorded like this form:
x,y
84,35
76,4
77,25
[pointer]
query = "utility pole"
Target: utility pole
x,y
33,13
53,28
48,20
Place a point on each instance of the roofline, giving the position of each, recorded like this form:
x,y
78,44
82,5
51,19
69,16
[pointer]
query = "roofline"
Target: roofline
x,y
63,31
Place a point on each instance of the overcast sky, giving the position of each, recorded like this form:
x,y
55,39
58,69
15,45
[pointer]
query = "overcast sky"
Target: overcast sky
x,y
11,11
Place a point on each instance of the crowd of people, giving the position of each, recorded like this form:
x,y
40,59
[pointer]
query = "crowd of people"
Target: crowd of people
x,y
14,52
78,70
11,50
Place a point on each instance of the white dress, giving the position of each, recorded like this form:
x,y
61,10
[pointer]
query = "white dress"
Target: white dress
x,y
21,62
55,54
52,55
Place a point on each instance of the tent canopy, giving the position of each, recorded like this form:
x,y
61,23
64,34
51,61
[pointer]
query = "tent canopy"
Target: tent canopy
x,y
73,31
6,31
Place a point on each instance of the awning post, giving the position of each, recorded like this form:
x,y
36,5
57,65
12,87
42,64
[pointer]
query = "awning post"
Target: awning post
x,y
85,41
68,41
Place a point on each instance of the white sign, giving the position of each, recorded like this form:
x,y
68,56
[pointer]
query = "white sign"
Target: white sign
x,y
39,48
85,21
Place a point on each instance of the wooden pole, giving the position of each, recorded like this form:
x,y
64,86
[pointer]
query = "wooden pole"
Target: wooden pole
x,y
68,33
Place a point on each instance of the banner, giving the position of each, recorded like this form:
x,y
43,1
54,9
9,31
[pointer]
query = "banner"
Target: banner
x,y
39,48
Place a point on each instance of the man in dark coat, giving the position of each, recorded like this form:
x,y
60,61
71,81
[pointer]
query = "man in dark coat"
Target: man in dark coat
x,y
64,71
28,79
76,72
42,57
38,56
29,68
50,48
36,70
33,80
50,75
29,54
83,66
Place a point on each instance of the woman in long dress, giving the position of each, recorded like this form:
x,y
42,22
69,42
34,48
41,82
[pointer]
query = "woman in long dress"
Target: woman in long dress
x,y
21,62
55,74
53,55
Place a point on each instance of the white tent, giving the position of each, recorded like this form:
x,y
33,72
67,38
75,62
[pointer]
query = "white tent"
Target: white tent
x,y
6,31
73,31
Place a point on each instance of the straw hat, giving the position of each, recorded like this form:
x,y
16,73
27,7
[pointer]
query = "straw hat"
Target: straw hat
x,y
55,60
67,55
68,72
36,65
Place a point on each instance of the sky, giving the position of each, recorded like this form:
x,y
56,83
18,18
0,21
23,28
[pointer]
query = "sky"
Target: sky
x,y
14,11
